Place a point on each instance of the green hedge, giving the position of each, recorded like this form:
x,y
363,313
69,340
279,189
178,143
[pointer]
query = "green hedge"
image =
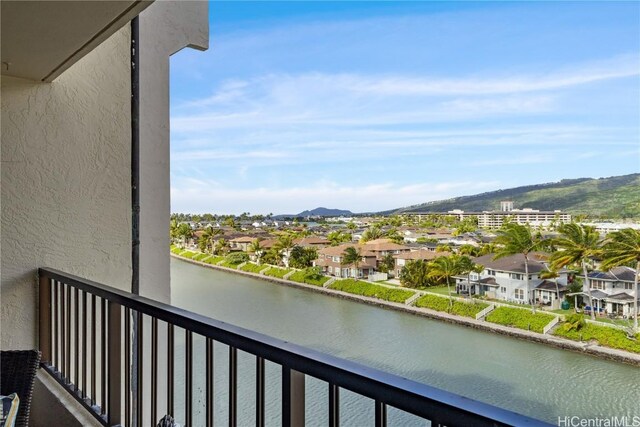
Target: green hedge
x,y
370,290
277,272
300,276
519,318
253,268
606,336
461,308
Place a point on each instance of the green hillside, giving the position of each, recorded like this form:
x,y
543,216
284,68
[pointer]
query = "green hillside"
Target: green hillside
x,y
613,197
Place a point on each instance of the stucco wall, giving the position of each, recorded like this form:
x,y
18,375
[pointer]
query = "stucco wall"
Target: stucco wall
x,y
65,181
165,28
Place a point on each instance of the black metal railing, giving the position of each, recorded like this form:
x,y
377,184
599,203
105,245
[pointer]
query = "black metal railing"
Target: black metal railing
x,y
91,335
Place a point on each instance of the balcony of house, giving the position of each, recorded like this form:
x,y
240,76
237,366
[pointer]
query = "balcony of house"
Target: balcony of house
x,y
129,360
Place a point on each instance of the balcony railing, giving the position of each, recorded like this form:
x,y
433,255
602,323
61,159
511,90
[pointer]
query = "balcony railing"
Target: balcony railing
x,y
91,339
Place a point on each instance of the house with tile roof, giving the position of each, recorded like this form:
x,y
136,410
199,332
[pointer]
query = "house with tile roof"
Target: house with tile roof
x,y
330,260
404,258
312,242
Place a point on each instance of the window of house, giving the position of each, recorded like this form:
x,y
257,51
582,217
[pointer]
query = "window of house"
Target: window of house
x,y
491,272
597,284
628,286
516,276
503,289
519,293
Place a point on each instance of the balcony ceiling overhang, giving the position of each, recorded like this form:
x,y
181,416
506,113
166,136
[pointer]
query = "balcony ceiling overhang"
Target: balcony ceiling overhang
x,y
41,39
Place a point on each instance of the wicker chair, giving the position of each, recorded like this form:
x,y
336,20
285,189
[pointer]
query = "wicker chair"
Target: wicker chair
x,y
17,373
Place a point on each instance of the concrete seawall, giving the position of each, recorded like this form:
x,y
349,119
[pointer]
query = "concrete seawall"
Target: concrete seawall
x,y
555,341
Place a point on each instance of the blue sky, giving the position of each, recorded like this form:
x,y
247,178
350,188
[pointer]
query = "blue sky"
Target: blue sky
x,y
369,106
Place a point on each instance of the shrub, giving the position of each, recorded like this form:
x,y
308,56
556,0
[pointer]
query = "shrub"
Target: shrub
x,y
605,335
370,290
311,276
461,308
519,318
237,258
574,322
277,272
253,268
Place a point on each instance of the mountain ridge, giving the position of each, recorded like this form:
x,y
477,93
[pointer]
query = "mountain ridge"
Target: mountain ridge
x,y
615,196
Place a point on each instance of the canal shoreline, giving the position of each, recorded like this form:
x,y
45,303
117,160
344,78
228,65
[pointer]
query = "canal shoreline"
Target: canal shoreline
x,y
551,340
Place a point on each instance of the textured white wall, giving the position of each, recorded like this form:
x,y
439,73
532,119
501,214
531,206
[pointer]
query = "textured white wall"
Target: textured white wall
x,y
65,181
165,28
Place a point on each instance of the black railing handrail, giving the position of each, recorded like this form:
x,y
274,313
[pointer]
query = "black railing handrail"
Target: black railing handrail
x,y
439,406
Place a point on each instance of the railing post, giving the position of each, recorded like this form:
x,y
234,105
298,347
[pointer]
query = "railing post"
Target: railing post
x,y
115,360
292,397
45,318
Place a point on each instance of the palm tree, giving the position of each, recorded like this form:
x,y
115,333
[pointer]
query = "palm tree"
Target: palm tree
x,y
352,255
444,268
221,246
208,237
552,273
284,245
371,233
415,274
468,249
184,232
623,248
517,239
256,248
577,244
337,237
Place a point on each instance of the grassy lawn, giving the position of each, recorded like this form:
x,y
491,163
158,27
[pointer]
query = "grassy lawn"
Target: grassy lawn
x,y
461,308
606,336
277,272
515,304
200,256
385,282
571,311
253,268
299,276
442,290
370,290
213,260
230,264
522,319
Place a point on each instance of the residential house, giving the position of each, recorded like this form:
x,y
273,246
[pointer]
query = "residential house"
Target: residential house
x,y
312,242
241,243
380,248
612,291
330,259
504,279
423,254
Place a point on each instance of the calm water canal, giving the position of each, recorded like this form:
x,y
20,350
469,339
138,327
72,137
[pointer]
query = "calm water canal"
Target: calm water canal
x,y
529,378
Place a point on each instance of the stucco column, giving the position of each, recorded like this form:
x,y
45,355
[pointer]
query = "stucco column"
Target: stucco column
x,y
165,28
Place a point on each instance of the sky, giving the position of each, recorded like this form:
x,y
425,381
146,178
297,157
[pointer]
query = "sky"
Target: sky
x,y
369,106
